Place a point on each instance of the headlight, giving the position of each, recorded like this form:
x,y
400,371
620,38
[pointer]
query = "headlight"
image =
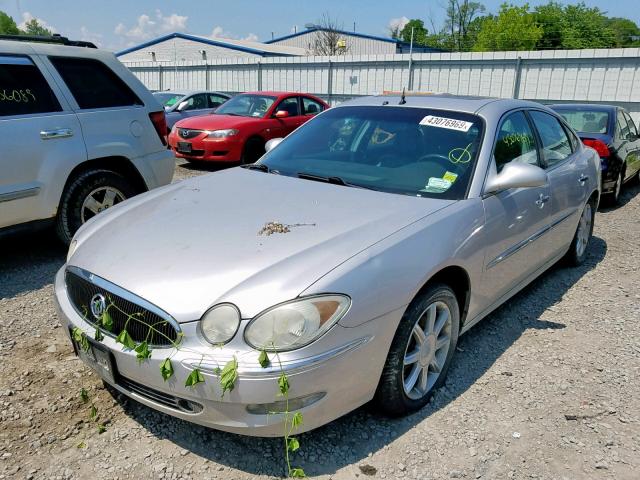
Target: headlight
x,y
220,323
229,132
72,248
295,324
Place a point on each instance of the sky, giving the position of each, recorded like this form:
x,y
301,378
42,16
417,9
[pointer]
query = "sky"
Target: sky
x,y
118,24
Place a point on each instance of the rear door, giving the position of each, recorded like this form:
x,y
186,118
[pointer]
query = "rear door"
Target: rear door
x,y
633,156
568,173
40,134
516,219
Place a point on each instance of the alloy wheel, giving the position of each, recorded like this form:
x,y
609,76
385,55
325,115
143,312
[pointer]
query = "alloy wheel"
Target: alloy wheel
x,y
99,200
584,230
427,350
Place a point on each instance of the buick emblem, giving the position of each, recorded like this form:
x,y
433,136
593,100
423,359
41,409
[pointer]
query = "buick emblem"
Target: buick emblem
x,y
98,305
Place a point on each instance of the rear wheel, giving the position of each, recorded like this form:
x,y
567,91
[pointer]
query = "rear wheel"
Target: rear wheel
x,y
578,250
89,194
253,150
613,198
420,352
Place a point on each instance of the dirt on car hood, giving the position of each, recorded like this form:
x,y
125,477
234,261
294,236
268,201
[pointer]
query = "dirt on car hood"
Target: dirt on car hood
x,y
247,237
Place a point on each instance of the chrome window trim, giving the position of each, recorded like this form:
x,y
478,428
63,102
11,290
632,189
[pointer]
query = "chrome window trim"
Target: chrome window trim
x,y
121,292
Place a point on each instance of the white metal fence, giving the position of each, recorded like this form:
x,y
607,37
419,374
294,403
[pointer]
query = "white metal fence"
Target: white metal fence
x,y
595,76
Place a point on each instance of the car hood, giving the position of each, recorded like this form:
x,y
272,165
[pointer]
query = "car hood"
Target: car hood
x,y
199,242
216,122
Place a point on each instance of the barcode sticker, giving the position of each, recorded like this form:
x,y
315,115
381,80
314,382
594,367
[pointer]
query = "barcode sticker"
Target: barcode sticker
x,y
443,122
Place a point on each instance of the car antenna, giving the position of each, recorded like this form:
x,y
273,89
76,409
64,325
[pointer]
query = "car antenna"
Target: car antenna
x,y
402,99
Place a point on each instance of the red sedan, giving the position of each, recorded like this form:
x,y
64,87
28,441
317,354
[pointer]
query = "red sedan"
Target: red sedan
x,y
239,129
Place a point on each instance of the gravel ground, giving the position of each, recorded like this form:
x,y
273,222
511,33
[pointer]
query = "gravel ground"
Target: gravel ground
x,y
547,387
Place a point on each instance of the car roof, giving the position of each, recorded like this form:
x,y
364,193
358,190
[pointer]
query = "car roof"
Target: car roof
x,y
278,94
584,106
192,92
440,101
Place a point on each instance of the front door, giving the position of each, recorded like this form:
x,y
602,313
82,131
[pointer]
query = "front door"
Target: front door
x,y
286,125
39,133
633,148
516,220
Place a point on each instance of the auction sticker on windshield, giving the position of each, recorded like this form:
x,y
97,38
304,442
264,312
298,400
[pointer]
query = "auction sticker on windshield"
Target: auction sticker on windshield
x,y
443,122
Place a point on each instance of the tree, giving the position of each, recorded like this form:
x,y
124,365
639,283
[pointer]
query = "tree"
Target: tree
x,y
460,14
585,27
420,33
551,18
33,27
328,39
8,25
625,31
514,28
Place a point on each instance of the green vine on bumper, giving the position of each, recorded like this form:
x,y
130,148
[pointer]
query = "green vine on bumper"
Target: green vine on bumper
x,y
228,375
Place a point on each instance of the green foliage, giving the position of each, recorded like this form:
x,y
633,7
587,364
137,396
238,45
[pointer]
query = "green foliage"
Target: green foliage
x,y
626,32
263,359
194,378
84,395
8,25
106,320
166,369
514,28
283,384
292,444
81,445
102,427
81,338
142,351
125,339
33,27
229,375
585,27
98,336
420,33
297,473
296,420
93,413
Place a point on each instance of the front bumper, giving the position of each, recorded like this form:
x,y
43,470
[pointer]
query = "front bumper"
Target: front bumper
x,y
340,371
209,150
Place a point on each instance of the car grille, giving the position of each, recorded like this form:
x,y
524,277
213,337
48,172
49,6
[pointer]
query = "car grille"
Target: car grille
x,y
165,399
81,291
188,133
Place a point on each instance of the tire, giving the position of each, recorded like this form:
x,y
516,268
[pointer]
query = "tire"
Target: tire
x,y
392,395
613,199
76,208
253,150
580,244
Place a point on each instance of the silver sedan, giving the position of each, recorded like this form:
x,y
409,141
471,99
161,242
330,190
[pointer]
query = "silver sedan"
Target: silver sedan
x,y
351,258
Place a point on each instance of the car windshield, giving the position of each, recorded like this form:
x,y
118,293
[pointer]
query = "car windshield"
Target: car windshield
x,y
247,105
168,99
412,151
586,121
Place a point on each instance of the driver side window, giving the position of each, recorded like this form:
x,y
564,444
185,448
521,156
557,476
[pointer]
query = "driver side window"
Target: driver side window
x,y
515,142
197,102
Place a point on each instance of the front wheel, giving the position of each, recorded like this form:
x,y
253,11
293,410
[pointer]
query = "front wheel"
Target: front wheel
x,y
420,352
89,194
578,249
253,150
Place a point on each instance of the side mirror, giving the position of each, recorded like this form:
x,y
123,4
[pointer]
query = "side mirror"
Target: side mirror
x,y
273,143
281,114
516,175
183,106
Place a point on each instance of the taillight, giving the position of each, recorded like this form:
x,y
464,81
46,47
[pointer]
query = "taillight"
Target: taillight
x,y
599,146
160,123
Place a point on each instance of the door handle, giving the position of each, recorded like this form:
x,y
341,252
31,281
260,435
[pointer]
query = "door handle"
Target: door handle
x,y
542,199
58,133
583,178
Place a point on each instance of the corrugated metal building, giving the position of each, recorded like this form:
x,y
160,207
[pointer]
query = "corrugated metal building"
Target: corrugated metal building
x,y
180,47
355,43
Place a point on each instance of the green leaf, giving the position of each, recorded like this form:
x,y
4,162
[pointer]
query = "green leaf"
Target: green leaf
x,y
106,320
296,420
194,378
143,352
84,395
81,445
293,444
263,359
297,473
84,343
98,337
125,339
102,428
93,413
166,369
283,383
229,375
217,371
76,334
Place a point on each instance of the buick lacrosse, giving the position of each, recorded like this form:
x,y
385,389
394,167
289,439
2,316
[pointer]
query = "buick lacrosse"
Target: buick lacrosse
x,y
350,258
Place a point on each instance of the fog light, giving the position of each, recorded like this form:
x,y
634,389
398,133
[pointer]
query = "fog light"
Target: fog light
x,y
281,405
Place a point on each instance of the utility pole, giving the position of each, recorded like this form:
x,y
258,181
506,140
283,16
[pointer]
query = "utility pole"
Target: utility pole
x,y
410,79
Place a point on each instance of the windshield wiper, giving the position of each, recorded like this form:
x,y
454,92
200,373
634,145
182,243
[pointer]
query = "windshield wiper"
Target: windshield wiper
x,y
256,166
333,180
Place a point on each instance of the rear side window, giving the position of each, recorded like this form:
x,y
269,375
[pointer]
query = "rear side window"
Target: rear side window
x,y
555,142
311,107
93,84
23,89
515,142
622,126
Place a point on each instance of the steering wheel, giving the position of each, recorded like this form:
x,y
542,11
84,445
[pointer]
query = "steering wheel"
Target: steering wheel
x,y
444,162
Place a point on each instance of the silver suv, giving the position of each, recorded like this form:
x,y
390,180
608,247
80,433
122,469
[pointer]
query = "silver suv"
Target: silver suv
x,y
80,133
